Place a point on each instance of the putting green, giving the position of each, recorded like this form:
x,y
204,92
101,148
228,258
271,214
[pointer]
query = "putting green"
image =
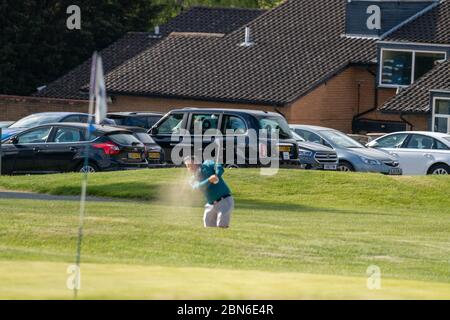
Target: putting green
x,y
47,280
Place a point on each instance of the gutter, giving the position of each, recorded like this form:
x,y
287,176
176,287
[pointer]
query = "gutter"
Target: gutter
x,y
406,121
375,107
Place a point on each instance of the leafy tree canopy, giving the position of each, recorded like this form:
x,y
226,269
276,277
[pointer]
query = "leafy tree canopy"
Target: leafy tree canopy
x,y
36,47
172,7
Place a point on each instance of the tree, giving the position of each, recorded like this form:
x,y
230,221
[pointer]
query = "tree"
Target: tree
x,y
36,47
173,7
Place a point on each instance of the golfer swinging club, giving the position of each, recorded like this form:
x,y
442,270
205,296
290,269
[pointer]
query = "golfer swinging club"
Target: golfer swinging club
x,y
207,177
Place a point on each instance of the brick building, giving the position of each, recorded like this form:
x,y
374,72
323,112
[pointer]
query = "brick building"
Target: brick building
x,y
333,63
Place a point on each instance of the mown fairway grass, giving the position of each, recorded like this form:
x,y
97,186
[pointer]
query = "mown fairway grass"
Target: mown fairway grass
x,y
295,235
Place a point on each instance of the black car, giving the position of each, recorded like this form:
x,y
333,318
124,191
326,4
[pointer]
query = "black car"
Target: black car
x,y
242,123
61,147
135,119
152,149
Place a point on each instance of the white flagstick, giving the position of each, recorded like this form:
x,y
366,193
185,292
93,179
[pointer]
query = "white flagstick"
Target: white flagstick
x,y
217,158
85,175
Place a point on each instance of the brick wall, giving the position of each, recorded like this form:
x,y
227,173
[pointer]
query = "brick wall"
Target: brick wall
x,y
384,94
131,103
419,122
13,108
335,103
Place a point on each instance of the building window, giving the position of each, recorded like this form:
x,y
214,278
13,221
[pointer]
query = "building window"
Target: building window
x,y
441,115
403,67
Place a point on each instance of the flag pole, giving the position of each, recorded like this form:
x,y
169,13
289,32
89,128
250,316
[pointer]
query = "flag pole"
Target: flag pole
x,y
84,181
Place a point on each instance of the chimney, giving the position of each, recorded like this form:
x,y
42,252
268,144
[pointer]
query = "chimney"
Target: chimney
x,y
156,33
247,39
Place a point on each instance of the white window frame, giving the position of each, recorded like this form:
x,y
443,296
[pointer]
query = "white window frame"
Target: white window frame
x,y
413,66
439,115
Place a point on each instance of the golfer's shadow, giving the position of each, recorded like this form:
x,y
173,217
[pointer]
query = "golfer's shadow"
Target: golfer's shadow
x,y
127,191
251,204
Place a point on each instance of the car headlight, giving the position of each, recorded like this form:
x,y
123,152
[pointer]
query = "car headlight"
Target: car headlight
x,y
304,153
369,161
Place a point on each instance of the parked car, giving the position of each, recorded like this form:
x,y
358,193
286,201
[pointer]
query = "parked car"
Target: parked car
x,y
136,119
38,119
352,155
153,151
418,152
315,156
361,138
166,133
61,147
5,124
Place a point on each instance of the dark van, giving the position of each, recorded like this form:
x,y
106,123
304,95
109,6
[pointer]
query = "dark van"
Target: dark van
x,y
166,133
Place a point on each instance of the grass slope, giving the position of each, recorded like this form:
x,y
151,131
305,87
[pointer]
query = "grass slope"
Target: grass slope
x,y
107,281
294,223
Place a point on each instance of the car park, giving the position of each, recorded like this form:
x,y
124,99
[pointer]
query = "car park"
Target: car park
x,y
315,156
153,151
236,126
38,119
418,152
352,155
61,147
136,119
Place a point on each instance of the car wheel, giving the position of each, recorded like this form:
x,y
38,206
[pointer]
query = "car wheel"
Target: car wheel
x,y
90,168
344,166
440,169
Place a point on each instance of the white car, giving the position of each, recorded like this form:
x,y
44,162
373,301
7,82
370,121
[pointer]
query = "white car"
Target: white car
x,y
418,152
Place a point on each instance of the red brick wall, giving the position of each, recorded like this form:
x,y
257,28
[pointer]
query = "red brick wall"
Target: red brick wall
x,y
14,107
131,103
336,102
384,94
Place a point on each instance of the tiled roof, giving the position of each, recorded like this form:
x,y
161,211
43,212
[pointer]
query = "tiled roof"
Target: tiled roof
x,y
297,46
68,86
196,19
416,98
211,20
432,27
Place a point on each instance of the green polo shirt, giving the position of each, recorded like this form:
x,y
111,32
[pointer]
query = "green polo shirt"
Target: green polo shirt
x,y
212,192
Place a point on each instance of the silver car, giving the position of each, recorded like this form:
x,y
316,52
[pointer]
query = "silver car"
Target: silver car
x,y
419,152
352,155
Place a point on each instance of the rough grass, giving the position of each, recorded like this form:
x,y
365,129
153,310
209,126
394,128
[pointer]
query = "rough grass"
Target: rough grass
x,y
295,223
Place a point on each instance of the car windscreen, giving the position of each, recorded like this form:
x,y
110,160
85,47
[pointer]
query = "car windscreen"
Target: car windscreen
x,y
124,139
144,137
297,137
273,123
120,121
35,120
339,140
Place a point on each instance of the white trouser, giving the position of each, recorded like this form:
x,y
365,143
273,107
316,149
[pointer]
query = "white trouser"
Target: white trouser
x,y
219,214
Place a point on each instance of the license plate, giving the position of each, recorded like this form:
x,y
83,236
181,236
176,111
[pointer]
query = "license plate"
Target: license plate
x,y
154,155
134,156
395,171
284,149
286,156
330,167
